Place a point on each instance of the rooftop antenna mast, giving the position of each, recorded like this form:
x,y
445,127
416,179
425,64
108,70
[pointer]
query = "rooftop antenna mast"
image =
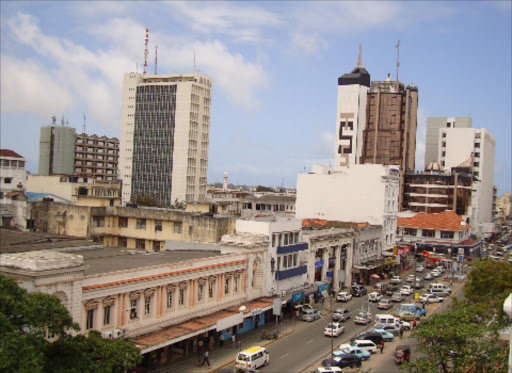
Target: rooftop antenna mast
x,y
195,62
84,123
156,57
397,63
146,52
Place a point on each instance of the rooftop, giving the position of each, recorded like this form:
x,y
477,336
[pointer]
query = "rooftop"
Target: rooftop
x,y
9,153
446,220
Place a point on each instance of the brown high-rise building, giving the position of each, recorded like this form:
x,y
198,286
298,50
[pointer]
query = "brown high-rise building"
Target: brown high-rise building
x,y
390,134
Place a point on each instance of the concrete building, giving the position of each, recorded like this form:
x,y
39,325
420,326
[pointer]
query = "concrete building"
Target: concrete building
x,y
436,190
165,131
269,204
164,303
13,179
434,125
56,150
351,115
79,190
133,228
504,206
366,193
62,151
458,145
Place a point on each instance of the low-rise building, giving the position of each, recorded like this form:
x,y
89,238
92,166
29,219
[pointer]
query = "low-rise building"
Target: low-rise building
x,y
13,179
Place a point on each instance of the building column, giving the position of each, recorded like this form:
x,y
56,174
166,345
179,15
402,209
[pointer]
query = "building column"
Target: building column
x,y
325,258
335,279
192,296
242,282
220,287
311,265
349,264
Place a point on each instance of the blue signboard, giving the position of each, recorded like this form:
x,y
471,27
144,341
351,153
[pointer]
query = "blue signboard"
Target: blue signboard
x,y
297,296
319,264
329,274
323,287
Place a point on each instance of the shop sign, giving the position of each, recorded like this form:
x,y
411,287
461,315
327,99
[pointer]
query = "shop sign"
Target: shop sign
x,y
297,296
319,264
322,287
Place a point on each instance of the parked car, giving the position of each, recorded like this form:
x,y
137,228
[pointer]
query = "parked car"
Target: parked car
x,y
385,304
397,297
406,290
343,296
392,289
396,280
394,329
435,273
334,329
388,336
441,269
430,298
327,370
363,318
420,268
428,277
410,278
366,345
376,338
341,314
379,287
358,290
345,360
374,296
310,314
363,354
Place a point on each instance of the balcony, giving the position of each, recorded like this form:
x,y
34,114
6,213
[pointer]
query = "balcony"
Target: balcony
x,y
292,248
292,272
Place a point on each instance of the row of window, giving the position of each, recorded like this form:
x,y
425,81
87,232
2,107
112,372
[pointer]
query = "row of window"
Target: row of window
x,y
286,238
431,233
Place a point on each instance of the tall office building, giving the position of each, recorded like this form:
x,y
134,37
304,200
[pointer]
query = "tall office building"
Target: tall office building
x,y
56,150
351,115
165,130
434,125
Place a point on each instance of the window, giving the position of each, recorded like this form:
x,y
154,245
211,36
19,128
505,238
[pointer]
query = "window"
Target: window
x,y
428,233
7,180
190,230
157,245
447,234
285,262
236,283
182,296
133,309
410,232
141,224
90,319
170,295
285,239
226,286
98,221
295,257
211,286
273,240
177,227
200,292
123,222
123,242
107,310
140,244
158,225
147,305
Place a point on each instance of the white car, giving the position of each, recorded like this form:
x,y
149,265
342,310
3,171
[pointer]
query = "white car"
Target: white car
x,y
327,370
396,280
410,278
440,269
435,273
334,329
406,290
363,318
374,296
343,296
420,268
430,298
363,344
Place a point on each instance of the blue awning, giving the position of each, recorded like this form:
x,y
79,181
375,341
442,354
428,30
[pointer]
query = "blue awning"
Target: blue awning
x,y
292,248
292,272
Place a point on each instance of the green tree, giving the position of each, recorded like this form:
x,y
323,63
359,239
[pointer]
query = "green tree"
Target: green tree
x,y
489,284
25,319
261,188
457,341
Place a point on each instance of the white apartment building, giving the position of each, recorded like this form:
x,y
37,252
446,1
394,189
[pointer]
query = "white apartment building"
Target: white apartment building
x,y
165,131
360,193
434,126
457,145
351,115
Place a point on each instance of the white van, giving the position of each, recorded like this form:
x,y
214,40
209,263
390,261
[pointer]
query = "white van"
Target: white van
x,y
387,319
252,358
441,287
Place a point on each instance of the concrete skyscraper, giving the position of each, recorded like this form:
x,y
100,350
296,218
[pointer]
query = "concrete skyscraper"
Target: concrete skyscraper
x,y
165,131
434,124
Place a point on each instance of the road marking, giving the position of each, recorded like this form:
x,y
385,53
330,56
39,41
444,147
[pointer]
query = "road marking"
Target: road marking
x,y
284,356
309,341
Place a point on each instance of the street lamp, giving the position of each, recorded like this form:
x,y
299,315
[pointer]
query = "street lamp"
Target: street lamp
x,y
241,309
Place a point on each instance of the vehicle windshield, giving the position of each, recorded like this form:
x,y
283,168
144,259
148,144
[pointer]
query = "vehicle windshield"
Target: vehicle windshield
x,y
242,357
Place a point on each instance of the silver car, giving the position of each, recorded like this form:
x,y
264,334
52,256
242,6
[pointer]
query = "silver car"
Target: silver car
x,y
310,315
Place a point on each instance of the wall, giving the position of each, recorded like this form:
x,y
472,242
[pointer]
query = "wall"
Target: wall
x,y
49,184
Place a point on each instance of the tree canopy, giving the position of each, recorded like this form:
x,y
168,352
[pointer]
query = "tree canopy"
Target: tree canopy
x,y
26,320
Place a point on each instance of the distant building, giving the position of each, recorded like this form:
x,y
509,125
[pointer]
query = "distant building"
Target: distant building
x,y
13,179
269,204
361,193
165,133
504,206
64,152
434,125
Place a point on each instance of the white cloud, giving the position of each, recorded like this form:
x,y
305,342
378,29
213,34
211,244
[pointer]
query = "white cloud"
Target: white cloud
x,y
25,86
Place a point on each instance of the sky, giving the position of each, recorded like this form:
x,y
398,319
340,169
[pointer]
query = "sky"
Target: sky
x,y
274,66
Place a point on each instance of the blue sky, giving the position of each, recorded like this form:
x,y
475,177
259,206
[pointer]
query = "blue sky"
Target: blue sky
x,y
274,67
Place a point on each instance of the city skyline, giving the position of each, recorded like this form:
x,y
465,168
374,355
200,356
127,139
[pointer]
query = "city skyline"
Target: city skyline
x,y
274,68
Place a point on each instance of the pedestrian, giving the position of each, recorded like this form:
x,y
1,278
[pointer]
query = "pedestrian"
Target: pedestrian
x,y
233,340
297,313
221,340
414,324
401,331
200,344
381,346
322,299
206,359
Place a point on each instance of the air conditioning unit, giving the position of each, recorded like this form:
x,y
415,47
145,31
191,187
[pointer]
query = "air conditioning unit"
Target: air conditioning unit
x,y
117,333
283,293
106,335
124,330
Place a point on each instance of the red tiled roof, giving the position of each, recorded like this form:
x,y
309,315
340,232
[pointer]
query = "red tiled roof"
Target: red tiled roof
x,y
446,220
332,224
9,153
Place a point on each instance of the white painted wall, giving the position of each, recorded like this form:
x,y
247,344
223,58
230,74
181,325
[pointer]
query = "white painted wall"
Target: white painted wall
x,y
50,184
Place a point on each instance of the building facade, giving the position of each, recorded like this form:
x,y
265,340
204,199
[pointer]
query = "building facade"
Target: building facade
x,y
165,131
13,181
434,125
56,150
364,193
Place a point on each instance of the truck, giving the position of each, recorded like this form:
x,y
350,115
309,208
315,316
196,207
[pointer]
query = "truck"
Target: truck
x,y
408,312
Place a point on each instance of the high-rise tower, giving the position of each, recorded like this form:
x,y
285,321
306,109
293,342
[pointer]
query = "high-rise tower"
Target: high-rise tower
x,y
165,131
